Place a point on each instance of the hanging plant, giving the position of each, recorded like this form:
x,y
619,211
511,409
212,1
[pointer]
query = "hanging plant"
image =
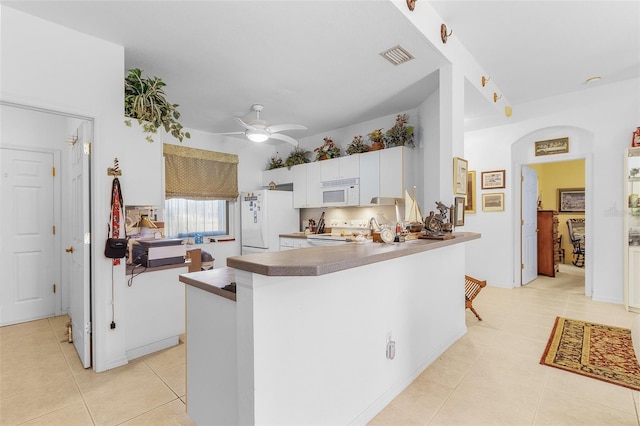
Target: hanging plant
x,y
145,101
297,156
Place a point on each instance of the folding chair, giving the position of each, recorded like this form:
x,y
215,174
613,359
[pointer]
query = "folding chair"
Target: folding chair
x,y
472,287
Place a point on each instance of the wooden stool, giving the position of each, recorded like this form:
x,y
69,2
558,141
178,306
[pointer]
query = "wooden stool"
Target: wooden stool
x,y
472,287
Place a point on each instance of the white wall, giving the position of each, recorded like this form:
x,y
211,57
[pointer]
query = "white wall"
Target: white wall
x,y
599,122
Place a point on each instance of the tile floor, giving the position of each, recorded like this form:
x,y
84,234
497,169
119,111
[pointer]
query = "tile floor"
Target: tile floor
x,y
491,376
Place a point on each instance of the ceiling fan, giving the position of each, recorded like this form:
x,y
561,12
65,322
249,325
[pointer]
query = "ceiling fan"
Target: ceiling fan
x,y
260,130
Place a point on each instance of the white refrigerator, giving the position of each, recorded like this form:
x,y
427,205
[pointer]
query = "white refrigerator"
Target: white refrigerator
x,y
265,215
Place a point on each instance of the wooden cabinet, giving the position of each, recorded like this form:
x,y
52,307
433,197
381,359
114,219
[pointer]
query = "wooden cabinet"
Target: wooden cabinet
x,y
548,243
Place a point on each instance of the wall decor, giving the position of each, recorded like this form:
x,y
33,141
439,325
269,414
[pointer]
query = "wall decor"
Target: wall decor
x,y
493,202
571,200
493,179
459,211
470,201
460,167
552,146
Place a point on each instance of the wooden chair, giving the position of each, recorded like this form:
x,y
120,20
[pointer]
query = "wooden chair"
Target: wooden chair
x,y
576,234
472,287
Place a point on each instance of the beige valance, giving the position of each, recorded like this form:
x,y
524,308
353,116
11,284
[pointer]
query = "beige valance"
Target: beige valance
x,y
199,174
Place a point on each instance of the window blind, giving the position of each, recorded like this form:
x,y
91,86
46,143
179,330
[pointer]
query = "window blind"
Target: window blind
x,y
198,174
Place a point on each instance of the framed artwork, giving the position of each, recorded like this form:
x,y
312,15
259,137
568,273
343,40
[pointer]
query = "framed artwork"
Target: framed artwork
x,y
552,146
459,211
493,202
571,200
493,179
470,201
459,176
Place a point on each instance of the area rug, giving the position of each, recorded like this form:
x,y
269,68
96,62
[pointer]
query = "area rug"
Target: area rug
x,y
594,350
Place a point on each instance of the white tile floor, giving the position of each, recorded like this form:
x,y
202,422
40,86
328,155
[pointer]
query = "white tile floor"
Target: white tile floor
x,y
491,376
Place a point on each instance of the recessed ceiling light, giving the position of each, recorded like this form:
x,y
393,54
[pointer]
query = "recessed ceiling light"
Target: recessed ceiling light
x,y
593,79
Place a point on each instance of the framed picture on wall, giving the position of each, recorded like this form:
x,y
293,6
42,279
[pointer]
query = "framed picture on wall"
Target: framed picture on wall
x,y
552,146
571,200
470,200
493,179
493,202
460,167
458,211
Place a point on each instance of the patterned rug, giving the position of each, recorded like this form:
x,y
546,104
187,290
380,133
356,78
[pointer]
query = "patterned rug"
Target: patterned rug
x,y
594,350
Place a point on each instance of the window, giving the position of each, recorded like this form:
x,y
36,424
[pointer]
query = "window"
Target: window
x,y
184,218
200,189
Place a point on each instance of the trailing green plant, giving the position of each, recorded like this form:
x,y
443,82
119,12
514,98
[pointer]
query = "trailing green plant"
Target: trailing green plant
x,y
357,146
145,101
275,162
327,150
297,156
400,134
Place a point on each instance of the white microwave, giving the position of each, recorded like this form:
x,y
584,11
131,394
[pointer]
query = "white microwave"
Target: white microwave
x,y
341,192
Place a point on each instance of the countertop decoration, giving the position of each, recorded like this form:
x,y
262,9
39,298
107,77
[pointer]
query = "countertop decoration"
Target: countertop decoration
x,y
297,156
357,146
400,134
327,150
144,100
377,139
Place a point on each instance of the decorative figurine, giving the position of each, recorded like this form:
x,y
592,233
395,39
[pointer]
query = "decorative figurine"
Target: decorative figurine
x,y
439,226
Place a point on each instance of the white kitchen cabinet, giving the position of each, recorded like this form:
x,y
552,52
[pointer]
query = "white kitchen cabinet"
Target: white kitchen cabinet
x,y
279,176
290,243
340,168
631,253
306,186
385,173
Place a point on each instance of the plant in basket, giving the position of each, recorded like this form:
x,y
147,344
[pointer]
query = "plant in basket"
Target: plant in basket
x,y
357,146
297,156
327,150
377,139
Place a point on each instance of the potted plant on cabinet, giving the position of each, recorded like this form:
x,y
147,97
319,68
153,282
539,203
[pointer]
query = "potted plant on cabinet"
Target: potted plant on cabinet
x,y
327,150
400,134
377,140
297,156
275,162
145,101
357,146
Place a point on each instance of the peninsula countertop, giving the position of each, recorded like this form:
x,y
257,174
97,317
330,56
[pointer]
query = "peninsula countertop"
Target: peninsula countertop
x,y
322,260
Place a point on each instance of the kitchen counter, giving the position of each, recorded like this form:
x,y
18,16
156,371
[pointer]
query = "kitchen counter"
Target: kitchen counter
x,y
327,259
212,281
324,315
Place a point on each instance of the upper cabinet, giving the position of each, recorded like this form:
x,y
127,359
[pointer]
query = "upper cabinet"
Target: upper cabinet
x,y
340,168
306,186
278,176
385,173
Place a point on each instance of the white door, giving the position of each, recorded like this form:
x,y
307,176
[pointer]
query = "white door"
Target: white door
x,y
27,236
80,281
529,206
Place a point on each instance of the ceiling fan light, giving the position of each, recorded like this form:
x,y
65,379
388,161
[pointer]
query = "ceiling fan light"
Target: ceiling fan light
x,y
257,135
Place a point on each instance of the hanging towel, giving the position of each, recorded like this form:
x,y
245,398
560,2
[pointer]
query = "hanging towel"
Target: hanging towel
x,y
116,213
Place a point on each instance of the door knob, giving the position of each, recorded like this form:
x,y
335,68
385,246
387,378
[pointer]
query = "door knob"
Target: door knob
x,y
69,250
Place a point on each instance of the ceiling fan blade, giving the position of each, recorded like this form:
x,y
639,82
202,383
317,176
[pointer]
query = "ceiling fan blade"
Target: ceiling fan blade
x,y
285,138
229,133
245,125
282,127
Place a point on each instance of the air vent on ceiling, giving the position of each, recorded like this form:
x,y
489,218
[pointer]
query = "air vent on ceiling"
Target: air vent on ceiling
x,y
397,55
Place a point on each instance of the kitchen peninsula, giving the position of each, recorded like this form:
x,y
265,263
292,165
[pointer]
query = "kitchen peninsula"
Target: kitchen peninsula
x,y
320,335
